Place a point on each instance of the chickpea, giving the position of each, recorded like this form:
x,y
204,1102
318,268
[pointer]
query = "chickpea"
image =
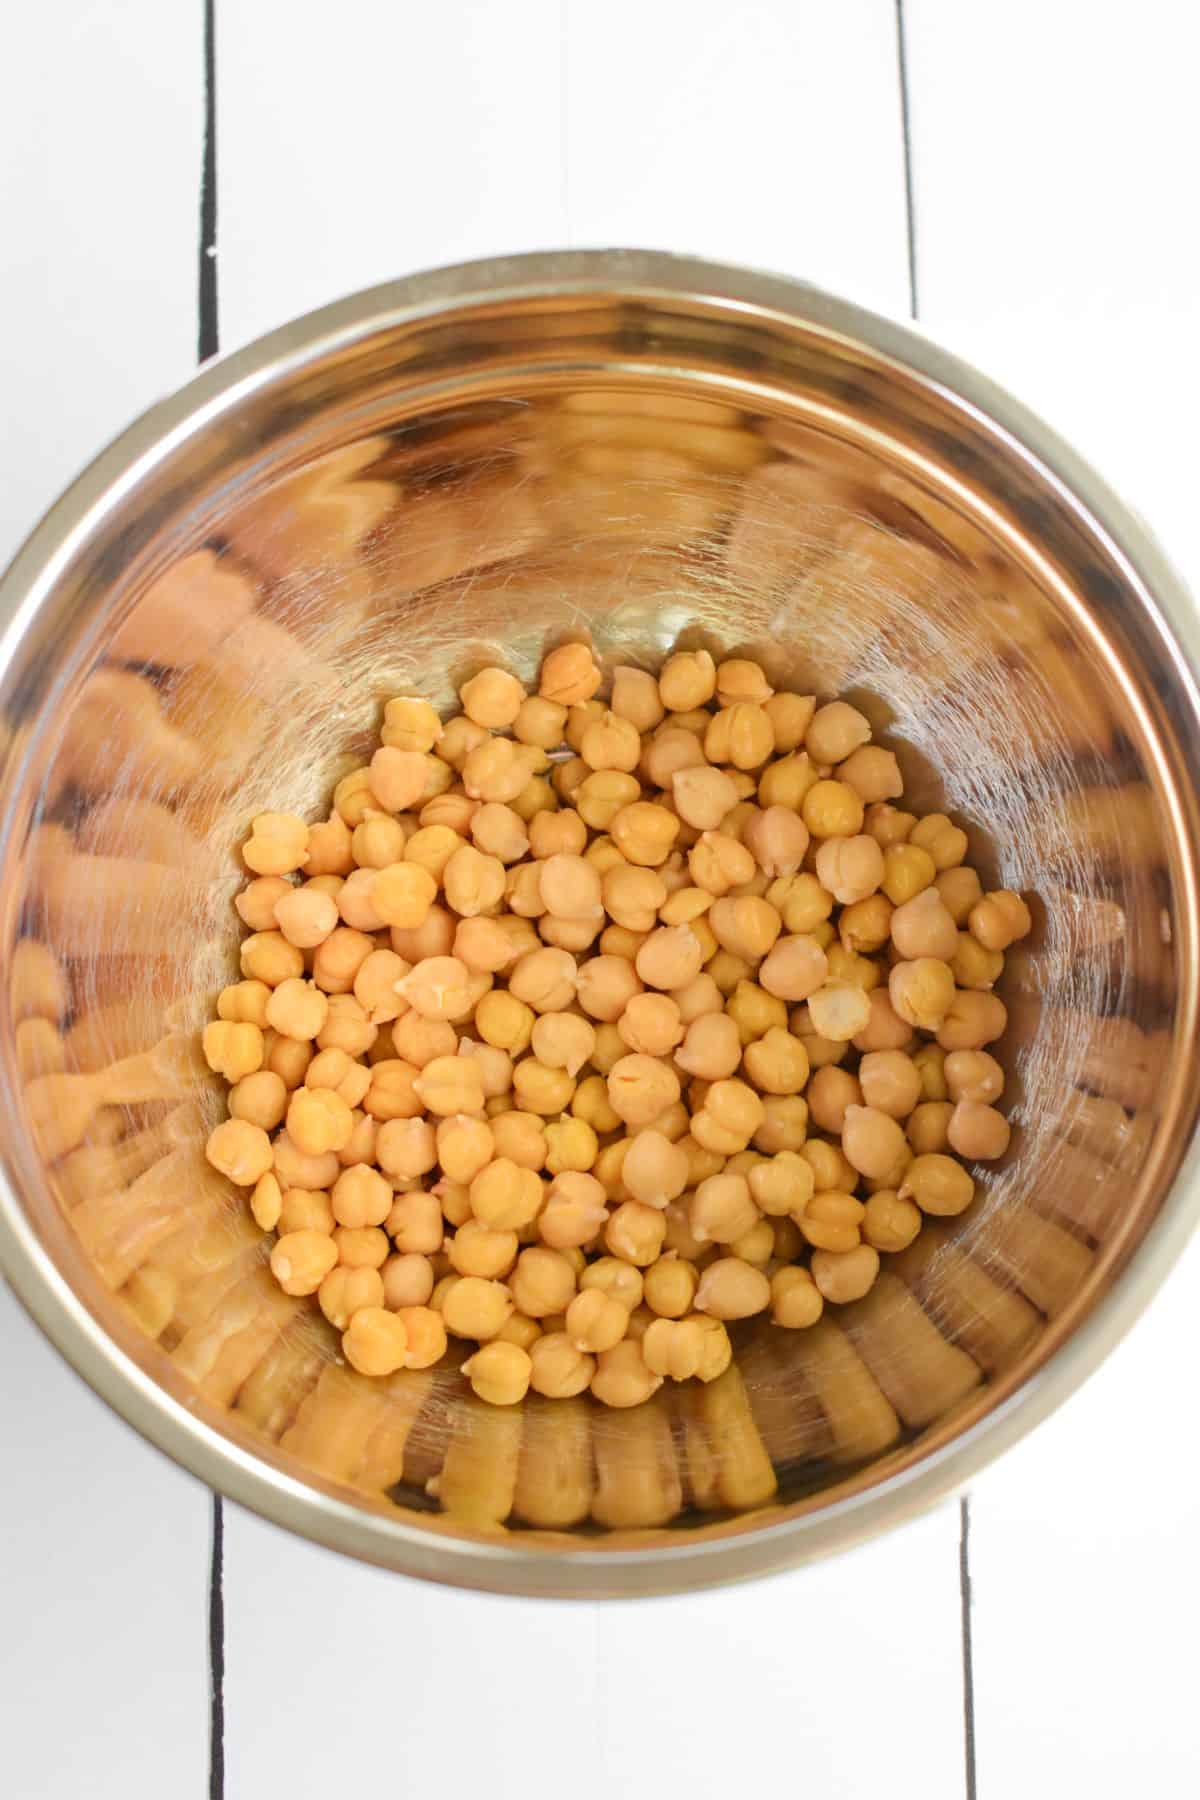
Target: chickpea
x,y
407,1281
782,1185
929,1125
475,1308
866,925
569,675
945,843
278,843
244,1003
632,896
732,1112
975,967
575,1210
721,1209
790,715
539,1089
829,1093
269,958
504,1022
561,833
732,1289
890,1223
644,832
640,1088
832,809
670,1286
717,862
884,1028
410,723
361,1197
711,1047
794,968
635,1233
907,871
874,774
610,742
455,1201
318,1120
747,926
240,1151
544,980
874,1143
300,1261
289,1058
674,1347
329,849
850,868
568,778
938,1184
976,1132
971,1075
305,917
777,839
305,1209
557,1368
434,936
622,1378
845,1275
345,1291
258,899
930,1061
688,679
233,1051
492,698
571,1147
740,734
540,722
506,1196
670,957
922,927
832,1220
973,1020
543,1282
922,992
595,1321
668,752
426,1335
615,940
835,732
651,1024
839,1010
777,1062
655,1170
295,1169
375,1341
570,888
702,795
266,1202
353,798
604,795
959,890
796,1300
635,697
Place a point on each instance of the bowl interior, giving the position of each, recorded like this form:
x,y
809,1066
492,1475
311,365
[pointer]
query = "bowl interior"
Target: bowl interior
x,y
385,512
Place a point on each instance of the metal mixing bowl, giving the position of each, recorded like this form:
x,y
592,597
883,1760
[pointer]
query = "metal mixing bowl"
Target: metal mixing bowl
x,y
483,461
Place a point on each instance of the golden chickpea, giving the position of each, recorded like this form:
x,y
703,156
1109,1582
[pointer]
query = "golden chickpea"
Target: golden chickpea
x,y
777,1062
425,1333
635,1233
891,1082
747,926
610,742
959,889
434,936
782,1185
644,832
874,774
569,675
318,1120
575,1210
907,871
778,839
890,1223
571,1147
930,1062
492,698
506,1196
635,697
356,907
305,1209
579,717
865,925
296,1170
306,917
544,980
410,723
832,809
938,1184
353,798
300,1261
688,679
473,883
622,1378
603,796
268,957
240,1151
539,1089
874,1143
540,722
378,842
740,734
266,1202
504,1022
477,1249
619,1279
670,1286
499,1373
731,1114
329,851
558,1369
946,844
362,1197
835,732
375,1341
257,901
655,1170
717,862
796,1300
670,957
843,1276
595,1321
794,968
561,833
973,1020
243,1003
832,1220
884,1028
475,1308
928,1126
711,1048
543,1282
640,1088
790,715
702,795
519,1330
567,778
651,1024
497,770
829,1093
288,1058
721,1209
922,991
570,888
674,1348
924,927
407,1281
615,940
975,967
345,1291
278,843
976,1132
233,1051
732,1289
520,1137
497,831
970,1075
632,896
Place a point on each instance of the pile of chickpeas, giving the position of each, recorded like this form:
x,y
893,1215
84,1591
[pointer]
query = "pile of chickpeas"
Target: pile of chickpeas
x,y
581,1029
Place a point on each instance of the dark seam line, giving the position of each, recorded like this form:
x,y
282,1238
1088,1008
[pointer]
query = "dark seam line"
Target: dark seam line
x,y
906,131
216,1654
968,1657
207,342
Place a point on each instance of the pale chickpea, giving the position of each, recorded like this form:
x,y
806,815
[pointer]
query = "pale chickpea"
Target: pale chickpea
x,y
329,850
540,722
721,1209
846,1275
434,936
640,1088
289,1058
575,1211
497,831
233,1050
306,917
570,888
257,901
754,1011
418,1041
979,1133
731,1114
543,1283
794,968
740,734
569,675
632,896
496,769
375,1341
651,1024
890,1223
884,1028
475,1308
506,1196
305,1209
300,1260
610,742
297,1170
425,1332
336,962
240,1151
557,1369
266,1202
318,1120
492,698
644,832
688,679
407,1281
711,1047
346,1290
732,1289
924,927
928,1126
670,956
960,889
874,1143
621,1378
796,1300
361,1197
850,868
579,716
782,1185
790,715
454,1200
268,957
970,1075
907,871
938,1184
635,1233
410,723
539,1089
483,946
544,980
718,862
839,1010
835,732
596,1321
278,843
702,795
449,1085
686,906
873,773
973,1020
441,987
778,839
520,1137
243,1003
945,842
829,1093
563,1041
603,796
666,753
635,697
655,1170
777,1062
355,901
575,935
378,841
891,1082
922,991
560,833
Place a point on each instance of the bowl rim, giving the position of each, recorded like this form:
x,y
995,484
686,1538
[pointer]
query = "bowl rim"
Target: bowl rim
x,y
395,1541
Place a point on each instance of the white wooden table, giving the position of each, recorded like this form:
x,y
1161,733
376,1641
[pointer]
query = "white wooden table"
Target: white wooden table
x,y
1033,201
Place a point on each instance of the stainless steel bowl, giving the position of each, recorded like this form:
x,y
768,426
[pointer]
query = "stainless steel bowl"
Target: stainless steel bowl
x,y
485,460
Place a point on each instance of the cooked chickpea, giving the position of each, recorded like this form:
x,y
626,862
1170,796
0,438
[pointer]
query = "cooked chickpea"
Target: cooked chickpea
x,y
346,1290
944,841
839,1010
574,1212
746,925
296,1170
891,1082
938,1184
959,889
407,1280
543,1282
506,1196
930,1062
241,1151
865,925
475,1308
850,868
635,1233
610,742
540,722
782,1185
845,1275
702,795
829,1093
655,1170
973,1020
922,991
499,1373
874,1143
557,1369
778,840
504,1022
300,1260
544,980
796,1300
975,967
635,697
644,832
835,732
890,1223
711,1048
874,774
721,1209
361,1197
596,1321
539,1089
971,1075
732,1289
740,734
305,1209
907,871
688,679
731,1114
928,1126
777,1062
477,1249
571,1146
794,968
923,926
570,888
674,1348
269,958
233,1051
569,675
832,809
640,1088
266,1202
832,1219
318,1120
651,1024
978,1133
561,833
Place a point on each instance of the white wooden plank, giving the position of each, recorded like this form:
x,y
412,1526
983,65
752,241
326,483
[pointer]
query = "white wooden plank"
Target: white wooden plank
x,y
766,134
103,1545
102,118
1053,171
